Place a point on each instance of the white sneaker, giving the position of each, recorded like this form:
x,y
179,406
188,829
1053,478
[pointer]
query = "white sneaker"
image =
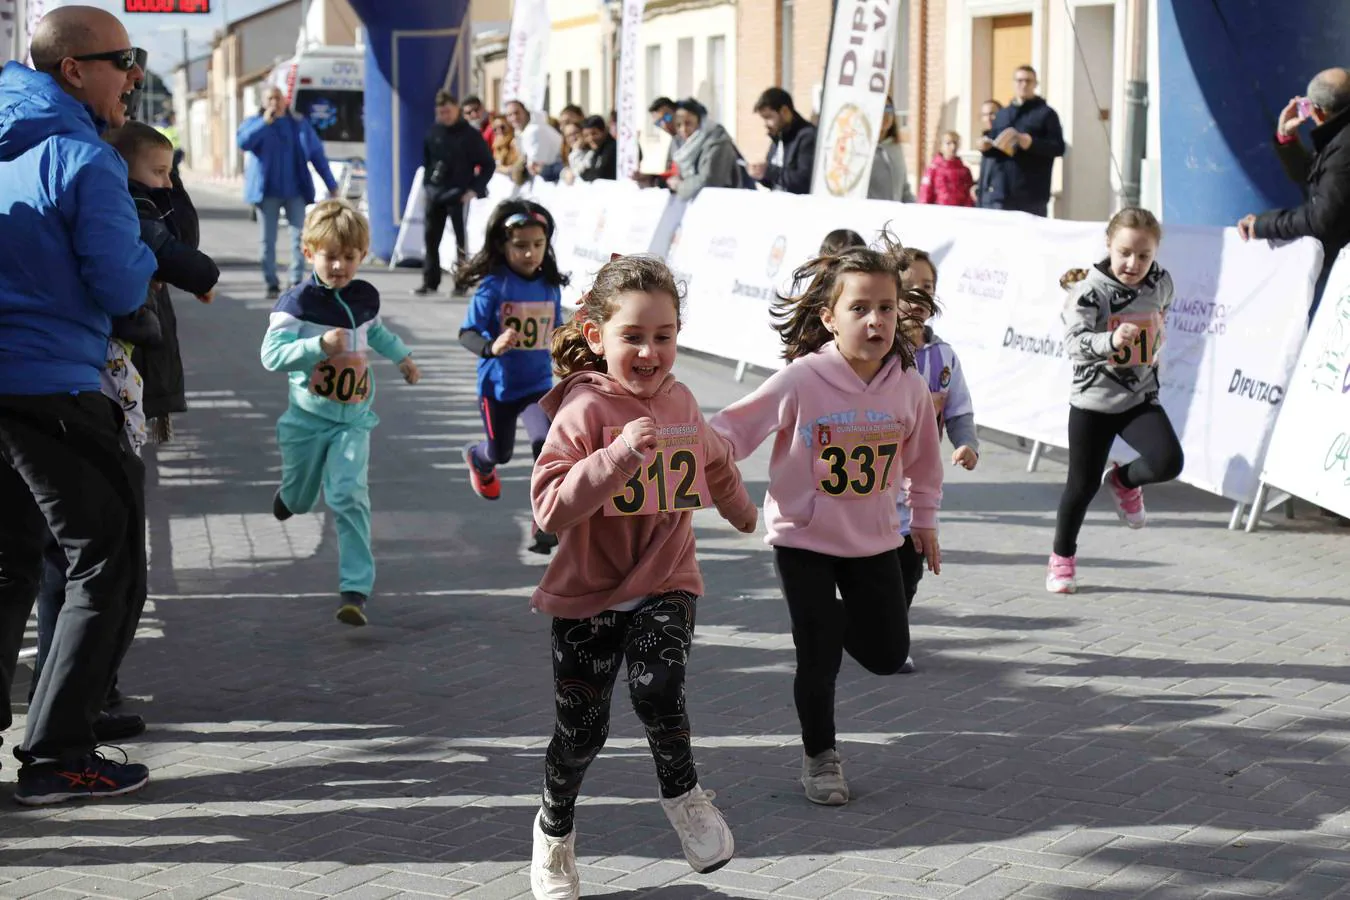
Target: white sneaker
x,y
823,778
1061,577
553,866
703,832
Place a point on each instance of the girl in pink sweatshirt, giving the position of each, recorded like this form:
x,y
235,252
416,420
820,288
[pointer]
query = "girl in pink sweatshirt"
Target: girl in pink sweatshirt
x,y
852,424
627,460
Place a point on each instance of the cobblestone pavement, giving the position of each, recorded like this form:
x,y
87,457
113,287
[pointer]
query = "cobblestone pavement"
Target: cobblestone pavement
x,y
1176,730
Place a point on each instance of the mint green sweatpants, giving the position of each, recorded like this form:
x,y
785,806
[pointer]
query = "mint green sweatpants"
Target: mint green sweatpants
x,y
318,453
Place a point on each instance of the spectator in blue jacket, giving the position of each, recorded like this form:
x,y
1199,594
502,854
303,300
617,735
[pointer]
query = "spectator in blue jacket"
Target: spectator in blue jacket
x,y
71,258
277,178
1022,147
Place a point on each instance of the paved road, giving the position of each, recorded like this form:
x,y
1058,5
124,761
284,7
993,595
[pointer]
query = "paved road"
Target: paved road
x,y
1177,730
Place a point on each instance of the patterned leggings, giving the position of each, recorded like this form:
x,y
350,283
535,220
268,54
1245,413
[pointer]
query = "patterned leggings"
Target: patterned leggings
x,y
587,654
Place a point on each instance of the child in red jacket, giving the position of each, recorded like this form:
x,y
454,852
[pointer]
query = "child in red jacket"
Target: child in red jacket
x,y
947,181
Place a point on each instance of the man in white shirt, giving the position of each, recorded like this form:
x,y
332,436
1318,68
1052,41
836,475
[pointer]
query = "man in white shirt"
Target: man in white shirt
x,y
539,142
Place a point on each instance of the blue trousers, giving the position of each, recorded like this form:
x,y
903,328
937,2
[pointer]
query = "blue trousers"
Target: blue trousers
x,y
269,213
320,454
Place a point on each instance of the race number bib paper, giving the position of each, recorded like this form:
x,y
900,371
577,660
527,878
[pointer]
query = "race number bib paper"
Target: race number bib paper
x,y
856,461
533,320
672,478
344,378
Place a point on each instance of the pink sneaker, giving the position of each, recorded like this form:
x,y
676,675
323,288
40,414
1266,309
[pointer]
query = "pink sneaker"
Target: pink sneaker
x,y
1129,501
1062,576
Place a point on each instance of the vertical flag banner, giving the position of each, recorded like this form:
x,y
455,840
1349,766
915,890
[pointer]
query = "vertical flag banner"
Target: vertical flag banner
x,y
857,75
526,76
630,123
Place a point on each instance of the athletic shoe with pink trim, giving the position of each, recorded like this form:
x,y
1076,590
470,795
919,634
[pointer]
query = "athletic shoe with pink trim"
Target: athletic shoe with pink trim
x,y
484,484
1062,576
1129,501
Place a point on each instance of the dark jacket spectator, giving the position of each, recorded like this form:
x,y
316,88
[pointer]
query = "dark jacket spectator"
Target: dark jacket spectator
x,y
1030,131
604,161
990,190
161,362
457,159
792,154
1323,174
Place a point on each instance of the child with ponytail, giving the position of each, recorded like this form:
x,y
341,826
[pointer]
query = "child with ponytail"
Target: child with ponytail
x,y
627,461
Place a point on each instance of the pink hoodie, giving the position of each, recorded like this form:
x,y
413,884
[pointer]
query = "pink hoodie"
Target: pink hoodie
x,y
836,469
604,560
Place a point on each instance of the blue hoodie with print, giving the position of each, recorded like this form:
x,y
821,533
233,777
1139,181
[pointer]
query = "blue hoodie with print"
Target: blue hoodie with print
x,y
71,255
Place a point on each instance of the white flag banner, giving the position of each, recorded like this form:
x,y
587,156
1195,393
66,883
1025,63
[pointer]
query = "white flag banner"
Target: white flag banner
x,y
853,102
630,123
526,78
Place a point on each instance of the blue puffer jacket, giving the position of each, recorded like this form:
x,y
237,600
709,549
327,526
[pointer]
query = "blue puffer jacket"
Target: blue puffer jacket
x,y
71,255
283,153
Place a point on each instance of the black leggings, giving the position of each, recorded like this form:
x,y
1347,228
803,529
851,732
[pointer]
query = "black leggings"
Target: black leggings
x,y
587,654
1146,428
872,624
499,421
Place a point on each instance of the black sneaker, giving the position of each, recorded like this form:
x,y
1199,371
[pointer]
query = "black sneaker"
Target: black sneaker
x,y
273,291
424,291
279,508
110,727
543,542
353,609
89,778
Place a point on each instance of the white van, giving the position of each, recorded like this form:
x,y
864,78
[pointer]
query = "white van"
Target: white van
x,y
326,85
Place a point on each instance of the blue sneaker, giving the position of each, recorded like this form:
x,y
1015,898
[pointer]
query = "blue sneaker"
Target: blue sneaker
x,y
90,778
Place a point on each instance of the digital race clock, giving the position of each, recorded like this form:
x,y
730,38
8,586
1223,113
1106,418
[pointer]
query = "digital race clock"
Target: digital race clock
x,y
168,6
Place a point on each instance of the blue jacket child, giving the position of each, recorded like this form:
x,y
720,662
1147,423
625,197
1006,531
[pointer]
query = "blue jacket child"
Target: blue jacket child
x,y
509,326
320,336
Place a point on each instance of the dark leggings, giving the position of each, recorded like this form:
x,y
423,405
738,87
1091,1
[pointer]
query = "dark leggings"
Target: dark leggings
x,y
587,654
872,624
1146,428
499,420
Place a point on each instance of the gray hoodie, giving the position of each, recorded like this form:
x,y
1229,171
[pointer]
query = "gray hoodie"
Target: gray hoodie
x,y
1109,379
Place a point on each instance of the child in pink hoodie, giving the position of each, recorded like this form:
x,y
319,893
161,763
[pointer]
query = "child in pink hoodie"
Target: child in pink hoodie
x,y
852,423
626,462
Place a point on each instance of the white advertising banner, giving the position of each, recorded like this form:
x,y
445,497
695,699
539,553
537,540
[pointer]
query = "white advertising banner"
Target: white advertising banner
x,y
857,75
1310,450
630,121
526,78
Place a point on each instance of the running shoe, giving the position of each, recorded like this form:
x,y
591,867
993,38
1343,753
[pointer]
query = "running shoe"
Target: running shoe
x,y
823,778
484,484
1062,575
704,834
89,778
353,609
553,865
1129,501
110,727
279,508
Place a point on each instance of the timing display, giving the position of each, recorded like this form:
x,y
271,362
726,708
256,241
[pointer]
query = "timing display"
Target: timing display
x,y
168,6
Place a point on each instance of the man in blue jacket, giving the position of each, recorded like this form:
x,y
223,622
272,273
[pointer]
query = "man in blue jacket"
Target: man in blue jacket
x,y
71,258
283,146
1022,147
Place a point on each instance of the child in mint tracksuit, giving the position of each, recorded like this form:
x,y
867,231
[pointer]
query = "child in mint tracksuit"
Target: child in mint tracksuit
x,y
321,332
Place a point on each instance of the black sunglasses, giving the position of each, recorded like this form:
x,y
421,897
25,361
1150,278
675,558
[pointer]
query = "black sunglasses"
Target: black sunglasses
x,y
125,60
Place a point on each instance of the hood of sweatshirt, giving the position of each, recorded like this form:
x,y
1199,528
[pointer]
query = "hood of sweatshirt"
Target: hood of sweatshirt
x,y
599,383
829,365
1101,280
33,108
